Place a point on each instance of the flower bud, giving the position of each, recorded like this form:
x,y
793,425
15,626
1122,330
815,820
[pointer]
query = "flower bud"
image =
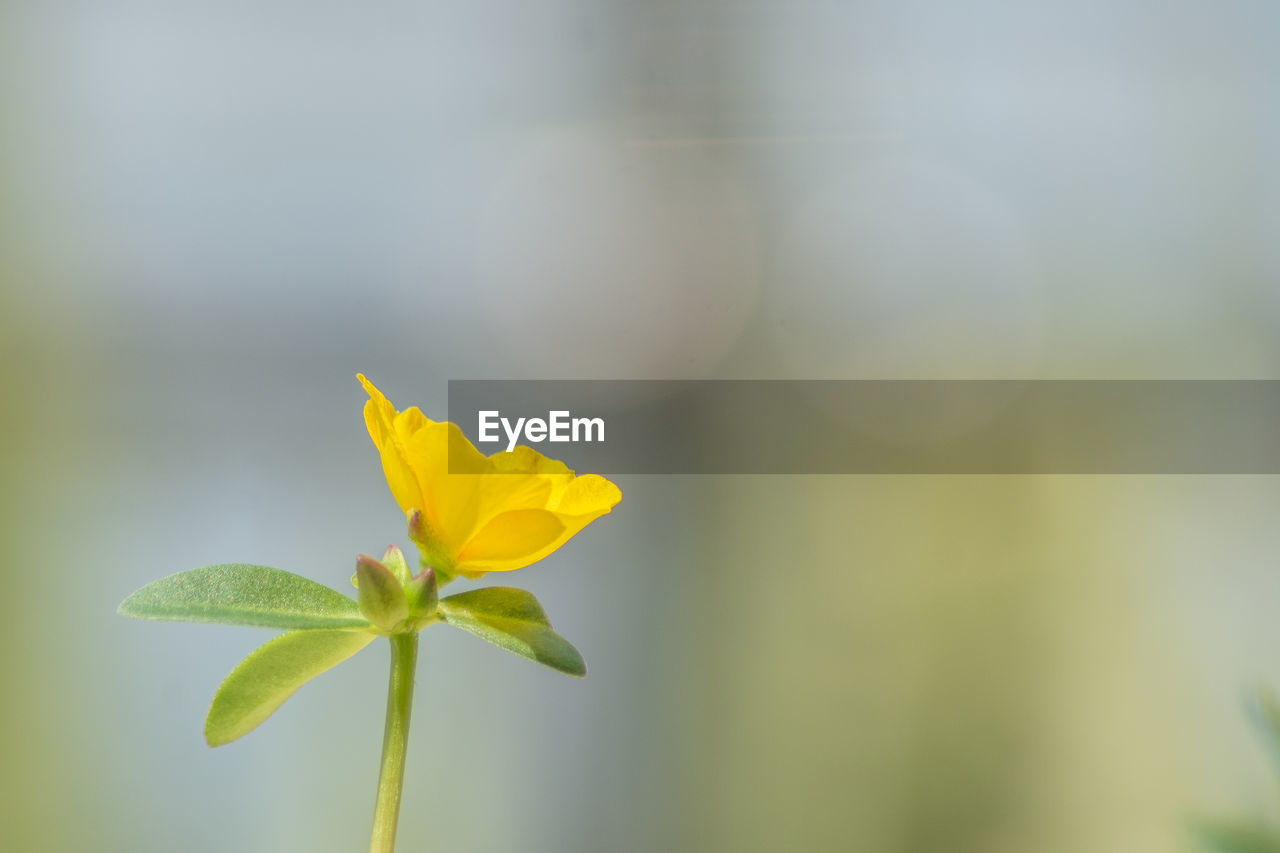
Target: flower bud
x,y
382,599
422,593
394,560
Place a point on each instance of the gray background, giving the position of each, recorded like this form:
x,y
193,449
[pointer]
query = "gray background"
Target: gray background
x,y
214,214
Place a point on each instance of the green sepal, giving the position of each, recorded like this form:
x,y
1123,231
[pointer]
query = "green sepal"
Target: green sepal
x,y
382,598
422,593
271,674
242,594
443,577
393,559
512,619
431,552
1242,836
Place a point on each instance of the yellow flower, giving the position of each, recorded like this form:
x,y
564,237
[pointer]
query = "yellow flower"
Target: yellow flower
x,y
470,513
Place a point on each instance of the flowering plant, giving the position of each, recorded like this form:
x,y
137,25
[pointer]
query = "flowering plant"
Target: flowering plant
x,y
469,514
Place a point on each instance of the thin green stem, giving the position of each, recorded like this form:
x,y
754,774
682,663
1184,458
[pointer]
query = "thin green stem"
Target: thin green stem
x,y
395,739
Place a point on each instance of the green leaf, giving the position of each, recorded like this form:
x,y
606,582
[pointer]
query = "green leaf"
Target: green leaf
x,y
514,620
240,594
1223,836
271,674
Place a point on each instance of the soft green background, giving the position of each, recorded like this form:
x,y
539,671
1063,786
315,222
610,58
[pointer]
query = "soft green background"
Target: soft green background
x,y
214,214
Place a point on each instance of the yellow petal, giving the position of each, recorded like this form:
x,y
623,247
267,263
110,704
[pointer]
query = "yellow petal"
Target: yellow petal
x,y
590,497
480,513
417,456
380,419
460,493
427,452
587,494
525,460
509,540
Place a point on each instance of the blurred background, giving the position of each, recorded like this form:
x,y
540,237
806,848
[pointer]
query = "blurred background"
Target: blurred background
x,y
215,214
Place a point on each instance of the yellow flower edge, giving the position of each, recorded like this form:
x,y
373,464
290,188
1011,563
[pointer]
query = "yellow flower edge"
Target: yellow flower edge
x,y
470,513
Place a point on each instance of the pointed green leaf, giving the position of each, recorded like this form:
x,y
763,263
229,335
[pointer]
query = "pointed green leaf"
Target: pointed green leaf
x,y
271,674
382,599
240,594
1237,837
514,620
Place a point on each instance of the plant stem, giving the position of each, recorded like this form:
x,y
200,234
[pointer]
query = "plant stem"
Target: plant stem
x,y
395,738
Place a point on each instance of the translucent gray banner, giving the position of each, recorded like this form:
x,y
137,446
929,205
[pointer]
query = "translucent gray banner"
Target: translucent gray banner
x,y
881,427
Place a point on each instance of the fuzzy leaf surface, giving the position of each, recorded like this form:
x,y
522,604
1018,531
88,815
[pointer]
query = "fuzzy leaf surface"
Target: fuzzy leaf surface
x,y
512,619
243,594
271,674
